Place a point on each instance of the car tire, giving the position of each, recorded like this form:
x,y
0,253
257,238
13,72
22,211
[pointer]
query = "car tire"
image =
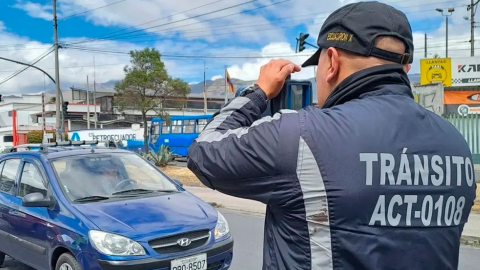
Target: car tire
x,y
2,258
67,262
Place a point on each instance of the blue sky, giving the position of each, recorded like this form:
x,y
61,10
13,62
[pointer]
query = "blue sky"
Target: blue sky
x,y
239,34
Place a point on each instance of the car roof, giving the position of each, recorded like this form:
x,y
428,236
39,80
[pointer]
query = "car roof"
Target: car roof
x,y
64,151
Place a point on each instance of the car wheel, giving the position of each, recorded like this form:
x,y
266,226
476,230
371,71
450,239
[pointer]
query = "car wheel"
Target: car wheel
x,y
2,258
67,262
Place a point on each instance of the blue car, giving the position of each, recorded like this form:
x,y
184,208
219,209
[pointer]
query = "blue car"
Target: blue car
x,y
92,208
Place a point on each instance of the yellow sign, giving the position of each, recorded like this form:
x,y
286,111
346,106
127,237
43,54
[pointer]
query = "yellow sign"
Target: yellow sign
x,y
434,70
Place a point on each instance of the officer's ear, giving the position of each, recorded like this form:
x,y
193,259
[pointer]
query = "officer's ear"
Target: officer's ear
x,y
333,62
407,68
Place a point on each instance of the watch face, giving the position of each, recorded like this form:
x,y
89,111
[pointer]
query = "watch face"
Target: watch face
x,y
247,90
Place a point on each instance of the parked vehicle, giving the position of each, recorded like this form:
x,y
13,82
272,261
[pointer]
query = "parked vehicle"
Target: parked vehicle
x,y
91,207
177,133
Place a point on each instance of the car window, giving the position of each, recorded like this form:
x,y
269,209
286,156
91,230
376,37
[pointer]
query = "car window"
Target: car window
x,y
104,174
9,173
31,181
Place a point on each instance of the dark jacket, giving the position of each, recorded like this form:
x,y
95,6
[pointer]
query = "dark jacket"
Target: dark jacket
x,y
370,181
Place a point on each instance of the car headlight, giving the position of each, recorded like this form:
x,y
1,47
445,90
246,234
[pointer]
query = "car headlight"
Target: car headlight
x,y
113,244
222,228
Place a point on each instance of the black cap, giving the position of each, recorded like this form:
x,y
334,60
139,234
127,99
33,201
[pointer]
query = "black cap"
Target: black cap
x,y
354,28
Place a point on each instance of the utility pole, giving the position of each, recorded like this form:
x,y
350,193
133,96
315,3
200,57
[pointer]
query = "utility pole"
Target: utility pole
x,y
226,87
425,45
450,11
58,124
43,116
88,104
472,27
94,92
204,88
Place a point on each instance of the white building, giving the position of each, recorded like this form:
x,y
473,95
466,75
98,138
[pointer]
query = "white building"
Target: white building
x,y
20,114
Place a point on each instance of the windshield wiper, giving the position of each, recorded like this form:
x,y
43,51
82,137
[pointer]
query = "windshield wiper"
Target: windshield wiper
x,y
142,191
92,199
136,190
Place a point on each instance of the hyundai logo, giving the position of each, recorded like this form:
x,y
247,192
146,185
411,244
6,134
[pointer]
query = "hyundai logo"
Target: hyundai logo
x,y
183,242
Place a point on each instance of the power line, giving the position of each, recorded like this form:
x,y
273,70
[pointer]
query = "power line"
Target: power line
x,y
32,63
93,9
156,20
200,15
190,56
123,35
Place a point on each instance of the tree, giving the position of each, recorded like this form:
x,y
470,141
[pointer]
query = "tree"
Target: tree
x,y
53,99
436,55
147,86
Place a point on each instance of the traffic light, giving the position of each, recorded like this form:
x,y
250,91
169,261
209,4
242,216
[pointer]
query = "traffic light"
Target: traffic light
x,y
65,107
301,41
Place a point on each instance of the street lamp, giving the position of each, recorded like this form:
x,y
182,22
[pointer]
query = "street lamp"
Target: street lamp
x,y
450,11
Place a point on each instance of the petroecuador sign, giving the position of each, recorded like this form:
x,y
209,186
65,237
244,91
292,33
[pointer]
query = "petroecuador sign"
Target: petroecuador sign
x,y
436,70
103,135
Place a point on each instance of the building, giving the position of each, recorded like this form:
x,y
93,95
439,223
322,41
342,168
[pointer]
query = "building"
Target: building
x,y
20,114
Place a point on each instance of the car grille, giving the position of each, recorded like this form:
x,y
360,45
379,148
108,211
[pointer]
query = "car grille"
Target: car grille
x,y
168,245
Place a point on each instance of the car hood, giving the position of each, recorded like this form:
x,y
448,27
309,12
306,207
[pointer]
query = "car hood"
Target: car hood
x,y
143,218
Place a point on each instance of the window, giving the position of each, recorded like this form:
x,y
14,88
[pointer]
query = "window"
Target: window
x,y
297,97
9,174
176,126
31,181
188,126
165,128
201,123
7,138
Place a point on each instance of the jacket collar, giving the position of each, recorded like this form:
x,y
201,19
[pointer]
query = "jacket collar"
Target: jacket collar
x,y
384,79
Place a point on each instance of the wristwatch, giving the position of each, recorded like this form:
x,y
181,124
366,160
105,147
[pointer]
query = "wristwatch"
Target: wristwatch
x,y
251,89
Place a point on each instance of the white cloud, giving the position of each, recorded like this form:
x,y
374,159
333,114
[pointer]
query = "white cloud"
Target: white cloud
x,y
130,13
35,10
216,77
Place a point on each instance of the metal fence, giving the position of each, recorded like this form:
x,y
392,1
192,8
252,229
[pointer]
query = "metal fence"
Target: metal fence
x,y
469,126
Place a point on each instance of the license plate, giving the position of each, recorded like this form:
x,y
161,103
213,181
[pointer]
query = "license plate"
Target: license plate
x,y
197,262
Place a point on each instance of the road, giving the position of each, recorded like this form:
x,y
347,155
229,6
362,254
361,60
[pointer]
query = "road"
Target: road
x,y
248,233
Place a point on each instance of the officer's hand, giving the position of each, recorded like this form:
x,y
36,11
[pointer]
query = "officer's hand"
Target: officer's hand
x,y
273,75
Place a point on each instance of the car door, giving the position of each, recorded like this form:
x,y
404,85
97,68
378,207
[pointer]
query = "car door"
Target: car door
x,y
4,202
31,230
8,175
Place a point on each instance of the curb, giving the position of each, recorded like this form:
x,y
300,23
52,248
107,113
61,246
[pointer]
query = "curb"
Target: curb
x,y
472,241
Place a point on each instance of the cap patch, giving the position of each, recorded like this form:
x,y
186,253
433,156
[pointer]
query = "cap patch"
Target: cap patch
x,y
340,36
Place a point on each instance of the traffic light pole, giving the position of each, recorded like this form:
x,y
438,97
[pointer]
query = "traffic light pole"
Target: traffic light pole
x,y
58,124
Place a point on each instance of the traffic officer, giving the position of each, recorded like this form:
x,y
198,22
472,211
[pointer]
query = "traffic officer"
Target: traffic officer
x,y
367,180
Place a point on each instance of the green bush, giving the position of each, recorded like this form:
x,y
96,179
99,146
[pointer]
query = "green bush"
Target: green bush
x,y
36,136
161,158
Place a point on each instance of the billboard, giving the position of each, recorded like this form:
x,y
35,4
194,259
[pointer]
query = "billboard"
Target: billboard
x,y
466,71
436,70
462,97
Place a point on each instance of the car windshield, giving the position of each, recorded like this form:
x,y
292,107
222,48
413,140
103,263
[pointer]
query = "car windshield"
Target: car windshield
x,y
100,175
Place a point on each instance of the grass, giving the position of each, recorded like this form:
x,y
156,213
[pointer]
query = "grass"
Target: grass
x,y
183,174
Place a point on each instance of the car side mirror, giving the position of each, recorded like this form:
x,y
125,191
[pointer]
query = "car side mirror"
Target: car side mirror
x,y
37,200
178,182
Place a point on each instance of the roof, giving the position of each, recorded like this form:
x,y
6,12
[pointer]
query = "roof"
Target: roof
x,y
184,117
52,152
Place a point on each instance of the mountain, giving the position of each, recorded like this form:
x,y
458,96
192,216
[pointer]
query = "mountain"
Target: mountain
x,y
216,88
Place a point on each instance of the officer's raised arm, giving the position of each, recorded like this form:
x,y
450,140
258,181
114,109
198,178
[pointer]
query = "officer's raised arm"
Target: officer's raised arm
x,y
238,151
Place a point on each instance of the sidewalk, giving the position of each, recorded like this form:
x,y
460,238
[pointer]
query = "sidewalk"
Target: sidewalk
x,y
227,201
471,229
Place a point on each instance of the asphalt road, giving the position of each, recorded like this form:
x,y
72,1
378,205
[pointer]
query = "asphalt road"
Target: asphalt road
x,y
248,233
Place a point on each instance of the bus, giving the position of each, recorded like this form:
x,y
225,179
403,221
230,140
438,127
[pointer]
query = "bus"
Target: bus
x,y
177,133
